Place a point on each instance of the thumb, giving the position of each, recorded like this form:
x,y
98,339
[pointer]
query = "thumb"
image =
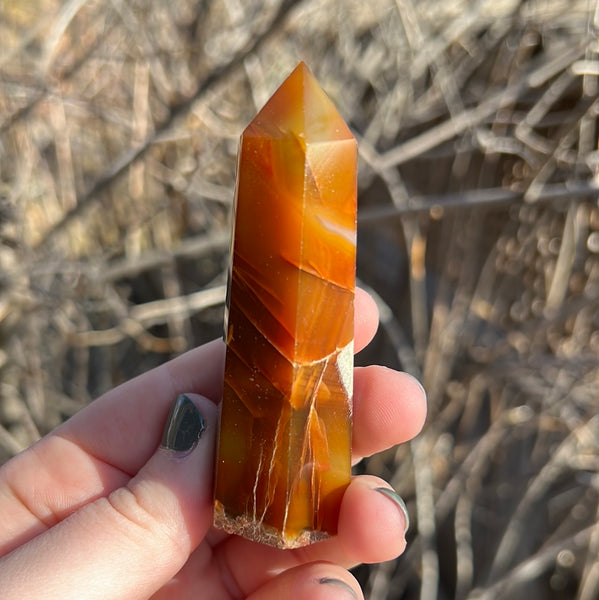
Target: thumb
x,y
129,544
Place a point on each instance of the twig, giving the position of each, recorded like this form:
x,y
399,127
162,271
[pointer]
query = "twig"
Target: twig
x,y
469,199
565,260
425,510
8,442
195,247
148,314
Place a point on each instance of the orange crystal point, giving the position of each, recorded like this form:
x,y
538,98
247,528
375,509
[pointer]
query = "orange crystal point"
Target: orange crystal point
x,y
284,450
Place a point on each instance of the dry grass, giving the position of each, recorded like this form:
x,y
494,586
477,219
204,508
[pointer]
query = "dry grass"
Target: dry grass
x,y
479,234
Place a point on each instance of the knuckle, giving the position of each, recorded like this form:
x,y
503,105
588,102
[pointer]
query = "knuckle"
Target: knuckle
x,y
147,519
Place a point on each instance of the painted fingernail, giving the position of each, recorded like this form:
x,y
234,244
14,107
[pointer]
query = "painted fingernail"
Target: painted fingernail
x,y
184,426
398,500
340,583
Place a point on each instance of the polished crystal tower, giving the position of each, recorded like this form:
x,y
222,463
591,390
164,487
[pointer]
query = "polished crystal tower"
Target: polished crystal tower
x,y
284,449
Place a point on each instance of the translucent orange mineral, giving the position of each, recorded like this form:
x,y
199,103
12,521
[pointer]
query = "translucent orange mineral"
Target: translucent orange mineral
x,y
284,448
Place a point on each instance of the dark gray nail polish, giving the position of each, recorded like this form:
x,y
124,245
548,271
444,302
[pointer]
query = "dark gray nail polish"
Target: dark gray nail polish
x,y
184,426
338,582
393,495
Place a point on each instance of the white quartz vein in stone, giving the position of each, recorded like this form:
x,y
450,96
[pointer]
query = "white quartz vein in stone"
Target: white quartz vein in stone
x,y
347,233
345,366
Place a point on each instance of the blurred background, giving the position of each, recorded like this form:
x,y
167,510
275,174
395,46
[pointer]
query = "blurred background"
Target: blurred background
x,y
478,236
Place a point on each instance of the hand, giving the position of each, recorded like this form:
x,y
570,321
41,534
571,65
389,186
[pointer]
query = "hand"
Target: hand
x,y
96,510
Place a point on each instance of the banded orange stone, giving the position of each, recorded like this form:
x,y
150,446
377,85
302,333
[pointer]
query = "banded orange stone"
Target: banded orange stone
x,y
284,449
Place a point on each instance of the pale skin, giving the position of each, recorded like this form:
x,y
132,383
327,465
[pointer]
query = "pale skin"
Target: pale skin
x,y
97,510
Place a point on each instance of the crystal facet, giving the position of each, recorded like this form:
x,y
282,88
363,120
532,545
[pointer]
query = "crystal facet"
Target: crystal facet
x,y
284,450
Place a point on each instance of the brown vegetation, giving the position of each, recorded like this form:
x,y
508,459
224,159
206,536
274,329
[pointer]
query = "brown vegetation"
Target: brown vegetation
x,y
479,235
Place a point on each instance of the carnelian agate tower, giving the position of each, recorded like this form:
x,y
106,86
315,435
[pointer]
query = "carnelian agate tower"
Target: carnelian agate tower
x,y
285,434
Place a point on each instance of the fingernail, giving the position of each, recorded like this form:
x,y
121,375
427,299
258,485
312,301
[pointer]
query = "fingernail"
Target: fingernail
x,y
340,583
398,500
184,426
419,384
